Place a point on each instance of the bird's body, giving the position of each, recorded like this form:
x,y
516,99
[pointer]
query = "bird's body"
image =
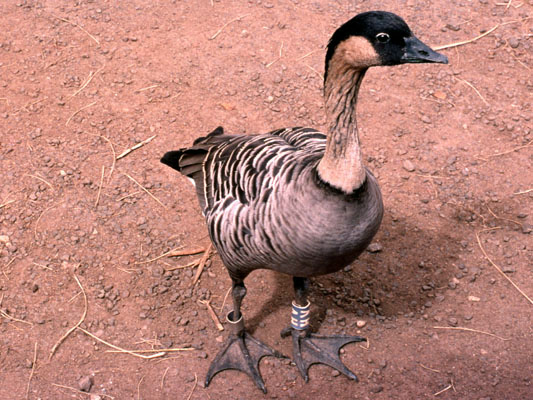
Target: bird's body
x,y
266,207
295,200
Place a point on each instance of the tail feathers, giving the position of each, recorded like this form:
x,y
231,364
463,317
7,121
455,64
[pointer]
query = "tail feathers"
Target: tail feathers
x,y
206,139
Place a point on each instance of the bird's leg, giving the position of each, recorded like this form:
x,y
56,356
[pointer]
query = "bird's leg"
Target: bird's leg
x,y
241,350
308,348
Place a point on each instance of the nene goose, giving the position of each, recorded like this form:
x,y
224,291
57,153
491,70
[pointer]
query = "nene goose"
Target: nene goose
x,y
296,200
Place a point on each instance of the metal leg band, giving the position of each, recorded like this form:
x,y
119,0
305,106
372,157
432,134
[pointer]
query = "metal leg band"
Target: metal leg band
x,y
300,316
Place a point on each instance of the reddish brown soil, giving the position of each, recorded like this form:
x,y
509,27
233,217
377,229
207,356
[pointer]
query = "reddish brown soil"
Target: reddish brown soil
x,y
449,144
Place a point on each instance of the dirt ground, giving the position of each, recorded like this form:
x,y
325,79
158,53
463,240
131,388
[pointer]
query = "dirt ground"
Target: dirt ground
x,y
80,82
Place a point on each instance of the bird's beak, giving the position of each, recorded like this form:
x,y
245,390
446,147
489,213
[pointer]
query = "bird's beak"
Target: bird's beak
x,y
418,52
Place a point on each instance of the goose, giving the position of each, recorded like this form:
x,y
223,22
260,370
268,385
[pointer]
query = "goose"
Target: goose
x,y
295,200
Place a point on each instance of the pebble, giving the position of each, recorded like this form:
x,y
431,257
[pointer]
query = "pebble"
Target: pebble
x,y
85,383
473,298
361,323
408,166
453,321
513,42
374,248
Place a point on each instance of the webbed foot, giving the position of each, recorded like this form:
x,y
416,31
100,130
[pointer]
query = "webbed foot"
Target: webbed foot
x,y
241,352
309,349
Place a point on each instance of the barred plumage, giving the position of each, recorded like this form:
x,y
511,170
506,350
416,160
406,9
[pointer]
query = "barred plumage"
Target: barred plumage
x,y
265,206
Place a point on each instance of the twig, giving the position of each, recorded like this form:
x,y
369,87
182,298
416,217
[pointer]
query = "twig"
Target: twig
x,y
43,266
201,266
87,81
77,112
226,24
459,328
75,326
496,266
78,26
32,370
212,314
41,179
477,91
99,188
146,190
80,392
194,387
174,253
120,349
138,145
181,253
447,46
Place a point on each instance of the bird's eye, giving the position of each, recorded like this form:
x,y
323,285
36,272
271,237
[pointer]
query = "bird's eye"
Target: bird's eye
x,y
383,37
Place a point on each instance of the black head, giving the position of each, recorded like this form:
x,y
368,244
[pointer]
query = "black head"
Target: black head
x,y
388,36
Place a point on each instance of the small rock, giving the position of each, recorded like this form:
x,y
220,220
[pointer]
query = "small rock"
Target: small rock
x,y
335,373
408,166
453,321
508,269
513,42
374,248
361,323
86,383
425,119
473,298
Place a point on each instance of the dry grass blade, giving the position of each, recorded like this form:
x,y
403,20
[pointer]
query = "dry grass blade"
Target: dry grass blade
x,y
77,26
87,81
226,24
80,110
6,203
225,298
120,350
459,328
114,157
41,179
443,390
201,266
7,316
99,187
524,191
146,190
192,264
163,377
496,266
429,369
447,46
32,370
146,88
512,150
194,387
86,305
157,351
475,90
80,392
137,146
